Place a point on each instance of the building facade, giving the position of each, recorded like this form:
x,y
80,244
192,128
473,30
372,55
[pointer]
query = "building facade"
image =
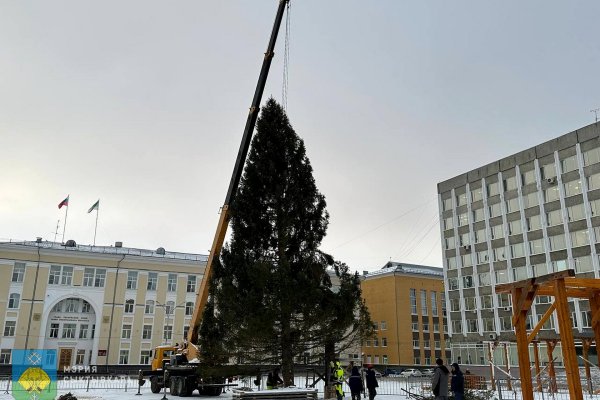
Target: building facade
x,y
408,307
96,305
529,214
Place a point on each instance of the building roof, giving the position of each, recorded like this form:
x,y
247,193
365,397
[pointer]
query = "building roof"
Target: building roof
x,y
158,253
393,267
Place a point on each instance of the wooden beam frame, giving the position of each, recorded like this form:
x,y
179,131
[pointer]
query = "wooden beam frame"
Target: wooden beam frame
x,y
541,322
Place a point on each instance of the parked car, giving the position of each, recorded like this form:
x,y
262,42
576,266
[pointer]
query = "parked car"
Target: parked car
x,y
427,372
391,372
411,372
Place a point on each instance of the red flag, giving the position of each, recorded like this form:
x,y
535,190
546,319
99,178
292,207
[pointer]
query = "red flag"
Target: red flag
x,y
65,202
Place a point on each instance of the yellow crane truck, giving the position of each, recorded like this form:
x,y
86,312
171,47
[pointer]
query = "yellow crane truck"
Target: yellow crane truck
x,y
179,369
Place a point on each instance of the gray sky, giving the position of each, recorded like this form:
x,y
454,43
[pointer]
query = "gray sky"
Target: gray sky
x,y
142,104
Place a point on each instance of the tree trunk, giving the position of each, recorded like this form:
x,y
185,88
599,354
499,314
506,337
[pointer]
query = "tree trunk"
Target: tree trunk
x,y
287,355
329,358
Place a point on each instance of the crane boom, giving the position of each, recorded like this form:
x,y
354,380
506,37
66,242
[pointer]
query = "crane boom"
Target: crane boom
x,y
217,245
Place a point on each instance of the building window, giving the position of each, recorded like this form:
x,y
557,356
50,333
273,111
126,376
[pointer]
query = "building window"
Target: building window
x,y
528,177
126,332
557,242
478,215
466,260
423,302
457,326
514,227
185,331
463,219
425,326
593,182
530,200
497,231
436,327
447,204
451,262
536,246
484,279
80,357
548,171
452,285
132,277
147,332
376,342
520,273
586,319
461,199
426,343
489,325
580,238
572,188
71,305
93,332
169,308
191,284
569,164
467,281
480,236
482,257
501,276
383,342
383,325
510,183
416,344
476,194
54,331
533,223
470,303
86,307
129,305
448,223
149,307
503,300
152,279
83,331
13,300
517,250
94,277
493,189
67,275
69,331
415,326
413,301
455,304
189,308
434,307
9,328
551,194
449,242
437,344
583,264
512,205
5,356
495,210
417,360
18,272
172,283
591,156
576,212
375,326
554,217
54,277
145,356
168,332
472,325
124,357
487,302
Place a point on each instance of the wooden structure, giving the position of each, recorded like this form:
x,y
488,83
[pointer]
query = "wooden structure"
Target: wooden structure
x,y
560,285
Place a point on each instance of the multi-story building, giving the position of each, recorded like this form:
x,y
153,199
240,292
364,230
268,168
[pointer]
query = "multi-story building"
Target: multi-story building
x,y
96,305
407,305
529,214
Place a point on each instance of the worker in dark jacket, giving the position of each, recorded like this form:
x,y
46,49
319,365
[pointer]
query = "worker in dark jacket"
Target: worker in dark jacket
x,y
274,380
355,383
371,382
439,382
457,384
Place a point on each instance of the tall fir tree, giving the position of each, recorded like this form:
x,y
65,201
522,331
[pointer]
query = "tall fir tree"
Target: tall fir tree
x,y
272,296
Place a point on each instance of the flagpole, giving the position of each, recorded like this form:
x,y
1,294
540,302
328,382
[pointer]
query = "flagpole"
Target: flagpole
x,y
65,225
96,228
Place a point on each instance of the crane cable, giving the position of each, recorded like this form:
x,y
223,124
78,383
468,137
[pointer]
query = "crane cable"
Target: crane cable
x,y
286,58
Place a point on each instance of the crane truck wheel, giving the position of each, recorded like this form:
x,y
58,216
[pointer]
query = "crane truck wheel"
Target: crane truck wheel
x,y
174,386
154,386
182,390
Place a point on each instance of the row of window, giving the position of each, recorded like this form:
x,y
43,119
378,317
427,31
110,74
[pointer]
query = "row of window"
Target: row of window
x,y
145,356
69,331
369,359
375,342
424,308
547,171
150,305
574,213
96,277
426,344
436,327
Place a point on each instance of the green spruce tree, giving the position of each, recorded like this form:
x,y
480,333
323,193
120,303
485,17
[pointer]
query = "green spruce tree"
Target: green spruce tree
x,y
272,287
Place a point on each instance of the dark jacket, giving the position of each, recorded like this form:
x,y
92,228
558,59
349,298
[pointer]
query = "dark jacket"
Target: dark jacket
x,y
457,384
355,381
371,379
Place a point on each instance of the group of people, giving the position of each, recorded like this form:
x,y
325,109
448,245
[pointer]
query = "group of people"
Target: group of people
x,y
355,381
439,381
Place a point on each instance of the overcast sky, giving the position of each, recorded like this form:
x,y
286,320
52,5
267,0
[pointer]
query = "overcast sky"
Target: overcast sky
x,y
142,104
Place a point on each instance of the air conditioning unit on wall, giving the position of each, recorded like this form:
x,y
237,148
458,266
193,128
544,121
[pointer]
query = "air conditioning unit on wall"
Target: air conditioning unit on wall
x,y
552,180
